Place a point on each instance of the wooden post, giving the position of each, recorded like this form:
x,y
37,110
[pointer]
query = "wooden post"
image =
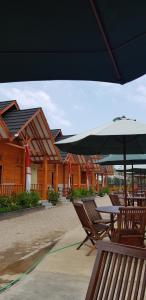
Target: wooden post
x,y
63,168
102,180
56,178
93,180
45,181
79,176
97,183
23,171
105,180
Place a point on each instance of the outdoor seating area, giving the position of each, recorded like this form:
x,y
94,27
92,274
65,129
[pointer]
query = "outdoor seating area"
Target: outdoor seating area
x,y
123,248
73,205
126,225
67,271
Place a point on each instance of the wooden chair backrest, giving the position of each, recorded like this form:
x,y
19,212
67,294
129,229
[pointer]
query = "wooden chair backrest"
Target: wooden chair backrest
x,y
132,219
119,272
115,199
90,206
83,217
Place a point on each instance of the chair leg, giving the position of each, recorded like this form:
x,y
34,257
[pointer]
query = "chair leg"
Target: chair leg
x,y
92,242
109,235
91,250
84,241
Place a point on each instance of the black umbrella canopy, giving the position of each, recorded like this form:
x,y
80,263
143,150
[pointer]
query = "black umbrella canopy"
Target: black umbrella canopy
x,y
118,159
77,39
111,138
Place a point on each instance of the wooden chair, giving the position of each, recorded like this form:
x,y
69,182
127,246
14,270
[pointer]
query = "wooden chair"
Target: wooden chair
x,y
94,232
94,216
131,223
119,272
115,199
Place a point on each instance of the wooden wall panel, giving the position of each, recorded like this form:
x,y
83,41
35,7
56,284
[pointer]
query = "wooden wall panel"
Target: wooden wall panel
x,y
60,174
40,174
12,164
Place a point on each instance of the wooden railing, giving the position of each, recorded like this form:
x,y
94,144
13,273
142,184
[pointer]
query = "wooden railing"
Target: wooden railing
x,y
116,188
36,187
9,189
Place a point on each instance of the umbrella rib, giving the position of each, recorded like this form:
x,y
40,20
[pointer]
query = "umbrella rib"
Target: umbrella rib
x,y
105,38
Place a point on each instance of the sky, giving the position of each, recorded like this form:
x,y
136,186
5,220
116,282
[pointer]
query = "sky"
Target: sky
x,y
76,106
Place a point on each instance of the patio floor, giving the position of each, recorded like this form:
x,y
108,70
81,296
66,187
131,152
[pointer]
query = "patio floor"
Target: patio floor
x,y
64,274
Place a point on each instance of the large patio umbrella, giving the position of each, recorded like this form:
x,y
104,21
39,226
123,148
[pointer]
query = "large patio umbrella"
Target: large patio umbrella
x,y
131,159
122,136
77,39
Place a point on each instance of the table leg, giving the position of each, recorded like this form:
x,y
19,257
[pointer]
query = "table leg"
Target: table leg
x,y
112,222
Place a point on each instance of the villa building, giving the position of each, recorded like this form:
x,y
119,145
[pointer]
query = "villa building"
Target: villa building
x,y
21,128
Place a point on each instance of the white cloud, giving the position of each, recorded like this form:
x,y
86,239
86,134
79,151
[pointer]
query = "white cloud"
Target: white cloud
x,y
78,107
29,98
139,95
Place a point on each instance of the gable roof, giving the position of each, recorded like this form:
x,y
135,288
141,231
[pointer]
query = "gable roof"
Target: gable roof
x,y
16,119
28,124
55,133
8,105
4,104
63,154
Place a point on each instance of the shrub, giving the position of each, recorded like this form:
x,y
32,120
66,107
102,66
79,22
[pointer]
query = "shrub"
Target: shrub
x,y
18,201
5,201
26,199
8,203
34,198
53,196
103,191
23,199
106,190
80,193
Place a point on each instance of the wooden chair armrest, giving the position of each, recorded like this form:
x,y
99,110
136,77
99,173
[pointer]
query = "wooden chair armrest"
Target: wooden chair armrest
x,y
99,221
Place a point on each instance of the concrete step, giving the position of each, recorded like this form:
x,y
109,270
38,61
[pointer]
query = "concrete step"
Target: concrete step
x,y
64,200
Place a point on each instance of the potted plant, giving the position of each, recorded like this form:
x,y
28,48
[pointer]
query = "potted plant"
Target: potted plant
x,y
53,196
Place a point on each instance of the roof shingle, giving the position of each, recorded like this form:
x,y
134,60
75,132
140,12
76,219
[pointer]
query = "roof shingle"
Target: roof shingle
x,y
16,119
4,104
55,132
63,154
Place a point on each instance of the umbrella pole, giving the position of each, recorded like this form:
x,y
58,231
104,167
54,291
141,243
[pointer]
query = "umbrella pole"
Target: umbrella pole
x,y
141,180
125,184
132,181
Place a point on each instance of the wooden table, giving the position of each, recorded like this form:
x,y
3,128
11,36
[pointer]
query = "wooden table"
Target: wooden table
x,y
112,210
